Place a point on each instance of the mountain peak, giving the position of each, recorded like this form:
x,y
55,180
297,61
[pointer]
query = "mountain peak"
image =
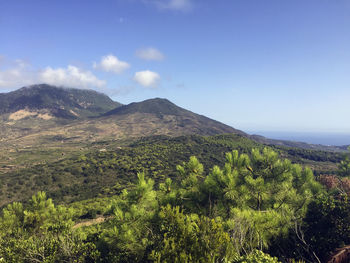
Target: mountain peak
x,y
152,106
164,113
57,101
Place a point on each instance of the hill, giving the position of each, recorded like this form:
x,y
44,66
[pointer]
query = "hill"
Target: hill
x,y
22,139
172,116
177,120
43,109
153,106
46,101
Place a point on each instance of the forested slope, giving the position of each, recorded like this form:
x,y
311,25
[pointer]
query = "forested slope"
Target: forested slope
x,y
109,168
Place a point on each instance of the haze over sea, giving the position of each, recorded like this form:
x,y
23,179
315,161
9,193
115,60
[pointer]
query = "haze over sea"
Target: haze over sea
x,y
324,138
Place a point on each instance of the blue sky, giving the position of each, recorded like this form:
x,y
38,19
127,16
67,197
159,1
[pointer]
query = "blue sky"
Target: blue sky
x,y
253,64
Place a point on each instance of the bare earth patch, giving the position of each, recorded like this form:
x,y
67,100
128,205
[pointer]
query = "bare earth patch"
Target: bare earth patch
x,y
90,222
45,116
74,113
21,114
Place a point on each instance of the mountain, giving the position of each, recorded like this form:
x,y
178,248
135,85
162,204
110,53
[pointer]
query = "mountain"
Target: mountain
x,y
46,101
31,133
152,106
173,120
162,115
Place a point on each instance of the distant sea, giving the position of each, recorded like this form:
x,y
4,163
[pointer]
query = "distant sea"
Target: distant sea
x,y
336,139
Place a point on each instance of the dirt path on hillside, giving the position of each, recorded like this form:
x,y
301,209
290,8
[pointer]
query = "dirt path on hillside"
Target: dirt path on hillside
x,y
97,220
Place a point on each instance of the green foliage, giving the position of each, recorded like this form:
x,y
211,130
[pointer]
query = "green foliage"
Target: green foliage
x,y
299,154
128,234
102,174
223,214
344,167
256,256
324,227
41,232
237,208
260,197
107,173
328,224
190,175
189,238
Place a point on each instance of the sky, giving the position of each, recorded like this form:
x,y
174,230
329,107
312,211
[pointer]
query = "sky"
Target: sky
x,y
257,65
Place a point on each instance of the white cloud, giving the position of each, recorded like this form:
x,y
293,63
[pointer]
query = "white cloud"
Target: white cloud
x,y
147,78
19,74
149,54
111,63
16,75
177,5
71,77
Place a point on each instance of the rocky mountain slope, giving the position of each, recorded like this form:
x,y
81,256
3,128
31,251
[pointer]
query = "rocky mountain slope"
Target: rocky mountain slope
x,y
46,102
43,122
162,115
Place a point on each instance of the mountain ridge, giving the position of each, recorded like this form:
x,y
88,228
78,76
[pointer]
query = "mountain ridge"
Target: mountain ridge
x,y
25,129
167,112
60,102
154,105
97,117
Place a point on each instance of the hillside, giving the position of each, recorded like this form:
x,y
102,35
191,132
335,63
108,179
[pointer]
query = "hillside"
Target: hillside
x,y
105,168
37,136
39,112
30,121
167,114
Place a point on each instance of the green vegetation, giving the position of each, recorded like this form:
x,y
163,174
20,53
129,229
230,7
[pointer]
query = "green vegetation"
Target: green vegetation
x,y
41,232
110,169
193,198
253,207
108,172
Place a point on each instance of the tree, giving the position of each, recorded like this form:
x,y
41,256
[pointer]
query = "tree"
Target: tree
x,y
327,224
41,232
190,238
344,166
189,193
128,235
256,256
259,196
